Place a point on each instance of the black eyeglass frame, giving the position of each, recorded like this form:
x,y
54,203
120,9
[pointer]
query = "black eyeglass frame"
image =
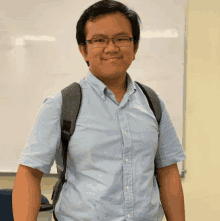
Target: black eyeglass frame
x,y
89,41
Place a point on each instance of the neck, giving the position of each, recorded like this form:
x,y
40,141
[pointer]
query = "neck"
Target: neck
x,y
117,86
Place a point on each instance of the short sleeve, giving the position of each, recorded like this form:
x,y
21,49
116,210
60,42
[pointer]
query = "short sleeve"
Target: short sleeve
x,y
40,149
169,149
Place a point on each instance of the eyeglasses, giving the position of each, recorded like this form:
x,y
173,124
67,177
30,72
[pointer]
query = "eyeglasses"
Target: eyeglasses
x,y
103,42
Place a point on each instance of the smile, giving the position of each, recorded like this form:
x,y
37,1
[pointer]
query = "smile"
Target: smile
x,y
112,59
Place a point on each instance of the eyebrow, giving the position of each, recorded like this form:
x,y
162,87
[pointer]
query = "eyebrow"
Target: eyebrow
x,y
120,33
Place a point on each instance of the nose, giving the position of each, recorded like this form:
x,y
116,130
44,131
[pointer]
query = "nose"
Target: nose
x,y
111,46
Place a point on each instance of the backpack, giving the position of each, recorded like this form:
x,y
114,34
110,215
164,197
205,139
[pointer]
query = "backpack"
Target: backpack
x,y
72,97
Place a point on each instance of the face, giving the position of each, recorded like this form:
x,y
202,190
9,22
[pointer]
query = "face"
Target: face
x,y
100,65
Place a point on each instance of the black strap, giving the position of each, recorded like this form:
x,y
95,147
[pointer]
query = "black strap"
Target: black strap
x,y
155,106
72,97
153,101
54,216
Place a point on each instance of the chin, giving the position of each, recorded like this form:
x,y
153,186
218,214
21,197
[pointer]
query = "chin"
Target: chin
x,y
113,70
108,69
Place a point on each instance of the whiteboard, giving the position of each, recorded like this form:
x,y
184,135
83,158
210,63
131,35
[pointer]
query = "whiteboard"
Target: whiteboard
x,y
39,56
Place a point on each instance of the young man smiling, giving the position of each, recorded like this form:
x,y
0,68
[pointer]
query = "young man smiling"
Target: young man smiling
x,y
112,72
111,155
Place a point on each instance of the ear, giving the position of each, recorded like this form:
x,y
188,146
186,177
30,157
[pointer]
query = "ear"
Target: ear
x,y
82,49
137,46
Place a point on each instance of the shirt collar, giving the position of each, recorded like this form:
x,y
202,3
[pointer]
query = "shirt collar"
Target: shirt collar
x,y
100,87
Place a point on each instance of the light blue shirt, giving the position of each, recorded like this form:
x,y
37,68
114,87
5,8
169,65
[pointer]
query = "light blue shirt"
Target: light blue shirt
x,y
110,160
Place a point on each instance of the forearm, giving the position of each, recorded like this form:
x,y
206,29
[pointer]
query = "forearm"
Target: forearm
x,y
26,198
172,199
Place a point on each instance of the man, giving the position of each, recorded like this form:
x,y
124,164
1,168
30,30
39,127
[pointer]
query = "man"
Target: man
x,y
110,161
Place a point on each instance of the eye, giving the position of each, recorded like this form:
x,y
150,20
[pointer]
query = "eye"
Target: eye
x,y
99,40
122,39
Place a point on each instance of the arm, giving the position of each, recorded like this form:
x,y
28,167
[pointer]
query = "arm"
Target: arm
x,y
171,193
26,196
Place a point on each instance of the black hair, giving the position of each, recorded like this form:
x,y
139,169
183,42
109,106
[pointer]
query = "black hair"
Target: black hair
x,y
105,7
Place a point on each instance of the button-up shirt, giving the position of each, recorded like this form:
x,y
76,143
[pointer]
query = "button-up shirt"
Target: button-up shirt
x,y
111,155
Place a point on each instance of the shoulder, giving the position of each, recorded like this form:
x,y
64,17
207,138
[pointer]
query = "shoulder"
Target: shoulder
x,y
51,107
55,98
165,118
162,103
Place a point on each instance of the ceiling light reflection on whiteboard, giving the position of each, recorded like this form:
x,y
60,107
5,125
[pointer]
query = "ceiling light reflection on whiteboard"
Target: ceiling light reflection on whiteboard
x,y
167,33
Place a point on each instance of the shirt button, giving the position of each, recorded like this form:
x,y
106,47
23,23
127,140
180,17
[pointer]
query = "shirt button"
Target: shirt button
x,y
126,160
128,215
127,187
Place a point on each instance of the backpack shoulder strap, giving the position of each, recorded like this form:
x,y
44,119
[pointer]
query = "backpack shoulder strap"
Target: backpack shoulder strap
x,y
155,106
153,100
72,97
71,102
